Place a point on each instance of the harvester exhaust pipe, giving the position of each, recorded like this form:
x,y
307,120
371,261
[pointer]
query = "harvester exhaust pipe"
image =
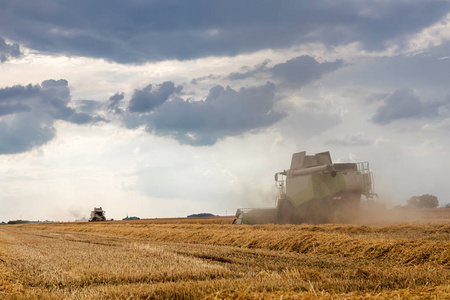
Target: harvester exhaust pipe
x,y
326,169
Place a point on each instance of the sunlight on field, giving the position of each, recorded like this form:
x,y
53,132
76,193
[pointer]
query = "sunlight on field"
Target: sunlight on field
x,y
211,259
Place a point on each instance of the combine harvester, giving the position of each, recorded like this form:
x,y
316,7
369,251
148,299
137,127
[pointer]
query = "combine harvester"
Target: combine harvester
x,y
98,214
314,190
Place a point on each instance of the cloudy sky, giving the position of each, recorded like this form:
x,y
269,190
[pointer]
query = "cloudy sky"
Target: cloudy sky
x,y
168,108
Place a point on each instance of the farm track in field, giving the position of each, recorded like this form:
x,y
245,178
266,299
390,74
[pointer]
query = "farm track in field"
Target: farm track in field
x,y
194,259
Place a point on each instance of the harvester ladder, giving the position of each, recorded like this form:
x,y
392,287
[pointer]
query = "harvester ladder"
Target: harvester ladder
x,y
281,185
363,168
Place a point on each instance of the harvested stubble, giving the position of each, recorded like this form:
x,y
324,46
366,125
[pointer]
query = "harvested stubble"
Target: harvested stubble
x,y
143,259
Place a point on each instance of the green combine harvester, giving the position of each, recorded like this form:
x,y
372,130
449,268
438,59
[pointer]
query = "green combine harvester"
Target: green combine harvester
x,y
314,190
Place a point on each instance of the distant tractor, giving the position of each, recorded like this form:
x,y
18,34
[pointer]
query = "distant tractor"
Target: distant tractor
x,y
98,214
314,190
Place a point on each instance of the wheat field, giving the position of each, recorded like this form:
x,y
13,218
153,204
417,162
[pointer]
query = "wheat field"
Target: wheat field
x,y
209,258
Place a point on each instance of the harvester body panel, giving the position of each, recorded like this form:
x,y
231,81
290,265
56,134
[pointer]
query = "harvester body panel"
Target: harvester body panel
x,y
305,188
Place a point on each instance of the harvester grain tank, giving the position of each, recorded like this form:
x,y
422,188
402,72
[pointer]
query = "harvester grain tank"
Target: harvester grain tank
x,y
98,214
314,190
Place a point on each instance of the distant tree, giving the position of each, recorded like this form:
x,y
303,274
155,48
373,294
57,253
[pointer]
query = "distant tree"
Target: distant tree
x,y
447,205
18,222
201,215
424,201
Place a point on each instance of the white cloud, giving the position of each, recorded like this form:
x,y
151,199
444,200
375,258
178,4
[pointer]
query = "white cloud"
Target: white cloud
x,y
444,125
432,36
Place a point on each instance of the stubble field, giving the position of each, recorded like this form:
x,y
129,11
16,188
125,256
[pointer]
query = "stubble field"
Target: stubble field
x,y
212,259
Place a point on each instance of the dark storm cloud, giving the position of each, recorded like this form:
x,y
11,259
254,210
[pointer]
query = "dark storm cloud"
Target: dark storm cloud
x,y
28,113
303,70
252,72
88,106
8,50
203,78
404,104
21,135
148,98
140,31
295,72
225,112
115,102
12,108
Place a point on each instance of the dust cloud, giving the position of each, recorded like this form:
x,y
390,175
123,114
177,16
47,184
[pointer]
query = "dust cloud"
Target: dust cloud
x,y
376,212
253,197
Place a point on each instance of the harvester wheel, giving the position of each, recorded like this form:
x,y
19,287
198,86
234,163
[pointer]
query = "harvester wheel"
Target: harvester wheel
x,y
285,212
347,210
319,211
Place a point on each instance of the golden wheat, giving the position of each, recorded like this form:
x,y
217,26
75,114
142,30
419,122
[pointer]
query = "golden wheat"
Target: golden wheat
x,y
210,259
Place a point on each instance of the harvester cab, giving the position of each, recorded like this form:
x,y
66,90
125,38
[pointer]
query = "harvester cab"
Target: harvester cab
x,y
314,190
